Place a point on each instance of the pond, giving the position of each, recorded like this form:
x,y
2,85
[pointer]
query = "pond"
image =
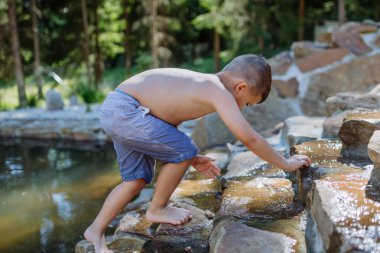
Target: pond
x,y
48,195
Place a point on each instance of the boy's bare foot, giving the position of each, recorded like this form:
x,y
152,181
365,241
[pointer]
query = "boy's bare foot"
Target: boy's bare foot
x,y
168,214
98,240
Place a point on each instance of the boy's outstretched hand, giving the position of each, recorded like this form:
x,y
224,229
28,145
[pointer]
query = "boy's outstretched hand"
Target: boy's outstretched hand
x,y
297,161
204,165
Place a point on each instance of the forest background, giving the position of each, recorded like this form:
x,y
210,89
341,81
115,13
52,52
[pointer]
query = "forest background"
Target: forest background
x,y
87,47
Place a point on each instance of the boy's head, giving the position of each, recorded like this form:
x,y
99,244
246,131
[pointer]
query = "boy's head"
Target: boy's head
x,y
254,71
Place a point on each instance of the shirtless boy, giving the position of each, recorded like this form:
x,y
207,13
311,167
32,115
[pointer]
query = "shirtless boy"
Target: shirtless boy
x,y
141,116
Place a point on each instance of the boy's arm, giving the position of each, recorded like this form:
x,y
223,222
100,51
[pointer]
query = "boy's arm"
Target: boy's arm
x,y
231,115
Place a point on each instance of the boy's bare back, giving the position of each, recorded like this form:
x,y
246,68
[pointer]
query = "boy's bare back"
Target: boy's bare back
x,y
175,95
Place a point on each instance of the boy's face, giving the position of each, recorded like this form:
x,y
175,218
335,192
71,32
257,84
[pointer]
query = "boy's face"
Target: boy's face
x,y
244,95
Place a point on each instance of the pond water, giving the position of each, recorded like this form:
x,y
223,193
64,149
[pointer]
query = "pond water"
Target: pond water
x,y
48,196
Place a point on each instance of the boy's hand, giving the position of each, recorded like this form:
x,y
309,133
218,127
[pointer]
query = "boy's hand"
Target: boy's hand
x,y
204,165
297,161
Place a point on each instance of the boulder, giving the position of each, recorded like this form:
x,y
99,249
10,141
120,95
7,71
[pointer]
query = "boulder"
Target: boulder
x,y
349,100
356,130
54,100
344,218
356,27
211,131
359,74
288,88
324,38
195,233
258,197
229,237
299,129
247,164
203,194
321,59
352,41
374,155
332,124
302,49
377,41
280,63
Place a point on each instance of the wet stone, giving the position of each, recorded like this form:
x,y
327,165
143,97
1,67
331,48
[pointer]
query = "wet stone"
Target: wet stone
x,y
230,237
374,155
247,164
134,222
194,233
203,194
300,129
258,197
356,130
346,219
293,227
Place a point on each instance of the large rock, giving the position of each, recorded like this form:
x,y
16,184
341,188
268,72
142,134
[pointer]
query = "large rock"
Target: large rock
x,y
299,129
356,130
374,155
54,101
230,237
203,194
358,75
258,197
211,131
247,164
280,63
356,27
349,100
288,88
343,217
195,233
322,59
352,41
303,49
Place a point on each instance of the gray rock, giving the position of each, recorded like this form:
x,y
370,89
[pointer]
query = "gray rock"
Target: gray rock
x,y
258,197
345,218
230,237
288,88
303,49
280,63
357,75
54,100
374,155
356,130
211,131
300,129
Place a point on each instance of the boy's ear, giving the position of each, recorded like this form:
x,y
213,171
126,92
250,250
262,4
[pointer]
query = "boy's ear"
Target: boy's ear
x,y
241,87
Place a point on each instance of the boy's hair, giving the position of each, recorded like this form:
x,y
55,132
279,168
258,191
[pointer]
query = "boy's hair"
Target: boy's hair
x,y
254,70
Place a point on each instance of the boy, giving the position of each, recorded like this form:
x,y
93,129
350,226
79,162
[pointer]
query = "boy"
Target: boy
x,y
141,116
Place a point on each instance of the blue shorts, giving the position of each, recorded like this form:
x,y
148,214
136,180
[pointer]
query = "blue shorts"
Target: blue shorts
x,y
140,138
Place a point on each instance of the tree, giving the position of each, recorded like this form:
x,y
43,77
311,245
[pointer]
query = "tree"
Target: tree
x,y
301,19
341,12
36,48
98,65
86,40
16,53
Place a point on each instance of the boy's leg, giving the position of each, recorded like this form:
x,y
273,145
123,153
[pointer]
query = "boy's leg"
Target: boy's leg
x,y
168,179
115,202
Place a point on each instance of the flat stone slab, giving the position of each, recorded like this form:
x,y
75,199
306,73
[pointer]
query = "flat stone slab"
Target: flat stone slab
x,y
356,130
258,197
346,219
203,194
299,129
247,164
73,123
230,237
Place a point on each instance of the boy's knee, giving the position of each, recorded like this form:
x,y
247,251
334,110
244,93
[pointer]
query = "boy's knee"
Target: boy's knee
x,y
136,185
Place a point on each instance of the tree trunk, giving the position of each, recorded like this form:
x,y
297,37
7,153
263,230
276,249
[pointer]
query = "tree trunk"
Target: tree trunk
x,y
341,12
127,37
216,50
98,67
16,53
154,31
36,49
86,40
301,19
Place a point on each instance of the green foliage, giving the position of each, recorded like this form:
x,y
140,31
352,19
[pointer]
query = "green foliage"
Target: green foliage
x,y
32,100
89,94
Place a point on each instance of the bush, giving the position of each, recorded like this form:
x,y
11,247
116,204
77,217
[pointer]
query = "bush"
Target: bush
x,y
89,94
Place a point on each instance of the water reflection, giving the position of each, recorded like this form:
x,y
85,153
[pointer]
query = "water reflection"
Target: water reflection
x,y
48,196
